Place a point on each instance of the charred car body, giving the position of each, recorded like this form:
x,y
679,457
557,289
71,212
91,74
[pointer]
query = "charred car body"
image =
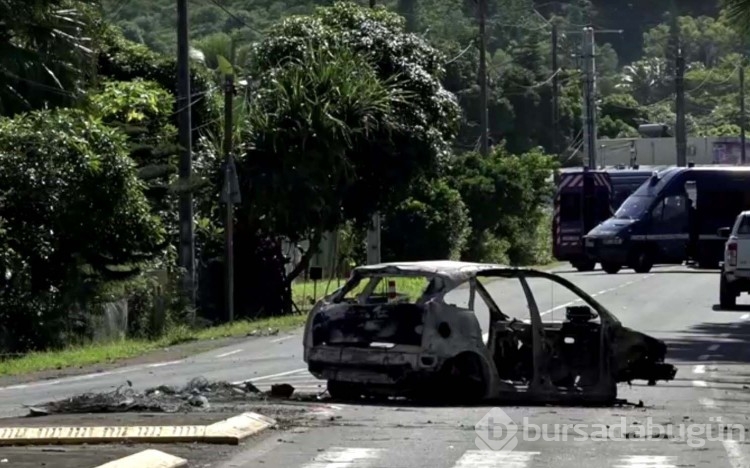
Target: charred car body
x,y
365,343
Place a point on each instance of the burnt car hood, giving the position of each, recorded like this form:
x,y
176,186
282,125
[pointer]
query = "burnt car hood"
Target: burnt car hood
x,y
637,356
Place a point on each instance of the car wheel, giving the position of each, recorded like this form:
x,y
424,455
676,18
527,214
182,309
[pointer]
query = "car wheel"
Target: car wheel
x,y
344,390
642,262
584,265
727,295
462,379
611,268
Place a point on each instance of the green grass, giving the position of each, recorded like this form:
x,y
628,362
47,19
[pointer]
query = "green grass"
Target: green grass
x,y
302,294
110,352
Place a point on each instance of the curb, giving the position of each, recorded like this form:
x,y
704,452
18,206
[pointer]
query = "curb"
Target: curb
x,y
147,459
229,431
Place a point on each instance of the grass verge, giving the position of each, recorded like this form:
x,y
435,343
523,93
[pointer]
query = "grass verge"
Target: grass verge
x,y
304,295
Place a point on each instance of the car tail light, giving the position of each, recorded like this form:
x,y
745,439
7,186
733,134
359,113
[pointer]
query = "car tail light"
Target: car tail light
x,y
732,249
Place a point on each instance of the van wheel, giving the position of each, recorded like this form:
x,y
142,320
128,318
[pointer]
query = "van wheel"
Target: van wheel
x,y
642,262
727,296
611,268
584,265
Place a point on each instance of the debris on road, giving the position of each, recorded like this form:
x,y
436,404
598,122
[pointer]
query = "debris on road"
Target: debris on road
x,y
196,395
282,391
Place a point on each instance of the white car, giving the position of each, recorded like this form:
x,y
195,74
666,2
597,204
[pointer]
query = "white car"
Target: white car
x,y
735,272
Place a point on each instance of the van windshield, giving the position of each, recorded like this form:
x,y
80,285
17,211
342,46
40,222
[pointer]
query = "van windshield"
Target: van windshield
x,y
634,207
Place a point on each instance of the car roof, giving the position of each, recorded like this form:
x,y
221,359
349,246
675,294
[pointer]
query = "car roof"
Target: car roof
x,y
450,269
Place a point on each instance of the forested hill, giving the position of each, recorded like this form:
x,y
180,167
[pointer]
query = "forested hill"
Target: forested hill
x,y
153,21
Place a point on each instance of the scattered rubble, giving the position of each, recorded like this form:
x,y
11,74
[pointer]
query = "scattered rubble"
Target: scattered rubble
x,y
197,395
266,332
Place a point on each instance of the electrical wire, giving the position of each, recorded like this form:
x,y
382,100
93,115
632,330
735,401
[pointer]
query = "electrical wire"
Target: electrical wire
x,y
460,54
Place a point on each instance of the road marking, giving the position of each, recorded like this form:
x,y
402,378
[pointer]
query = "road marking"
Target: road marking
x,y
707,402
724,335
162,364
646,461
268,377
699,383
229,353
493,459
745,317
147,459
603,291
79,378
344,457
230,431
703,357
283,338
736,459
713,347
699,369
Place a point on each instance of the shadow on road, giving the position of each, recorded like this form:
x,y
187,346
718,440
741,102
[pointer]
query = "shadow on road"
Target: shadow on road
x,y
737,308
716,342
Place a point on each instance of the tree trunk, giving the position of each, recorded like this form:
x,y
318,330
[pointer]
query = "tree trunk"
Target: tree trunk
x,y
305,260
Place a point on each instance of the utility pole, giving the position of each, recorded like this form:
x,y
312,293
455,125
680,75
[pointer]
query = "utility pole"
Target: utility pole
x,y
230,174
680,132
373,233
743,119
589,96
483,96
555,90
187,240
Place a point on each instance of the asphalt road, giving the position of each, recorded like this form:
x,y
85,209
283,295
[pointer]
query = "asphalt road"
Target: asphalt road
x,y
672,303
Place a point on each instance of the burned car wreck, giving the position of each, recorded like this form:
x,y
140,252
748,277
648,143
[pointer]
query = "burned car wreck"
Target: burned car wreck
x,y
364,341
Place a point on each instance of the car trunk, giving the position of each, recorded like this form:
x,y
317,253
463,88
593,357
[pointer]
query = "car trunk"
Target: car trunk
x,y
368,325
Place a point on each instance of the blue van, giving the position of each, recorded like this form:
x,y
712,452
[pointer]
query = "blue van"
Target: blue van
x,y
584,198
674,216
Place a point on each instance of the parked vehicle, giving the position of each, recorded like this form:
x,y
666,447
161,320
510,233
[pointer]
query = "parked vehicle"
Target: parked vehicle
x,y
672,218
584,199
735,271
427,345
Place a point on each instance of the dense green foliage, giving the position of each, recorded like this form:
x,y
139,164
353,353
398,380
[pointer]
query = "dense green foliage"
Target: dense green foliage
x,y
340,112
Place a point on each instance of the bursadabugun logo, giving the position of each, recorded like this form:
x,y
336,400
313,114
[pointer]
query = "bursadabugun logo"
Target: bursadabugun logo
x,y
496,431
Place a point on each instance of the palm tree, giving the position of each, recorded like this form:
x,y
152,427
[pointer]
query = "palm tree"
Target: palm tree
x,y
738,11
43,52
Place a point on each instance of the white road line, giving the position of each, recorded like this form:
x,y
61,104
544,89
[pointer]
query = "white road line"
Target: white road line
x,y
267,377
703,357
724,335
707,402
646,461
699,383
745,317
493,459
699,369
229,353
713,347
736,459
162,364
283,338
343,457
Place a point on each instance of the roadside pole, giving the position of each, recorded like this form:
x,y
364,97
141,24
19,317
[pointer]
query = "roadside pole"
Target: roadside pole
x,y
186,250
230,194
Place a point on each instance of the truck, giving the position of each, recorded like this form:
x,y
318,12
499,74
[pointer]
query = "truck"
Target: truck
x,y
735,271
672,218
583,199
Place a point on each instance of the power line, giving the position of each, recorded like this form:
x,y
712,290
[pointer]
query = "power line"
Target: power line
x,y
460,54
